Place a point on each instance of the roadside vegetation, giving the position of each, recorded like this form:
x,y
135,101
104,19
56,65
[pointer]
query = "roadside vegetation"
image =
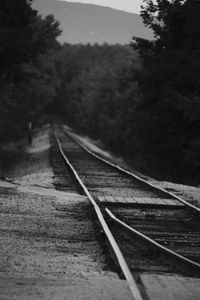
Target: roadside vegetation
x,y
142,100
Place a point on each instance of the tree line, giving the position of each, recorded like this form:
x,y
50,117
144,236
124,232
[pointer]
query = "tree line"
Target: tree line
x,y
27,75
142,100
170,102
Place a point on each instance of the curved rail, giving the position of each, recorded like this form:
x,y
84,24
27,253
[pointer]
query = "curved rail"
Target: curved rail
x,y
189,205
183,263
117,252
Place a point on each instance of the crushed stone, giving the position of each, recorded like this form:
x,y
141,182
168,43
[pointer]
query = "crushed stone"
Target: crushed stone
x,y
48,238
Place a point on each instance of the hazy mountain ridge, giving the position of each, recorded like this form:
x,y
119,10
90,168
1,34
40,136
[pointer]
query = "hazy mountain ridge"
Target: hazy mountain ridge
x,y
88,23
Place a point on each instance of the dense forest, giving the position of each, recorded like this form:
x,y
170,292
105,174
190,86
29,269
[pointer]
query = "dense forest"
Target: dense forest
x,y
142,100
27,78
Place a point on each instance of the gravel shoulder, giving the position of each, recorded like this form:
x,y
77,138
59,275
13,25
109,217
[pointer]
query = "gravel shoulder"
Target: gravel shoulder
x,y
48,243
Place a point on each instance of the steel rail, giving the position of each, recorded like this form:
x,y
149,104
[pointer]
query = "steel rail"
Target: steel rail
x,y
118,254
184,263
189,205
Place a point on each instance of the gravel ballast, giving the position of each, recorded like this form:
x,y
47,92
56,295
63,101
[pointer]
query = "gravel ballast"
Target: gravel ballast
x,y
49,246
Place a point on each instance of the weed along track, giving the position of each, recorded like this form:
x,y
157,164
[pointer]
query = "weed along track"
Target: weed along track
x,y
148,229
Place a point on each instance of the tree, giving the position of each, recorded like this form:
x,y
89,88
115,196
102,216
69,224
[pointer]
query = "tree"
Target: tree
x,y
15,32
25,39
23,36
170,82
45,33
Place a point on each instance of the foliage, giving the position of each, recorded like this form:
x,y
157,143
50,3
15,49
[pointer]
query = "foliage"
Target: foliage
x,y
26,65
90,86
170,104
15,32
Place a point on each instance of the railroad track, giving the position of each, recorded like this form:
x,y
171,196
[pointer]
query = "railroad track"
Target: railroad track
x,y
148,229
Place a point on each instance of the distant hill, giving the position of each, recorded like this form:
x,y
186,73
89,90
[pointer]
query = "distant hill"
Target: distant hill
x,y
88,23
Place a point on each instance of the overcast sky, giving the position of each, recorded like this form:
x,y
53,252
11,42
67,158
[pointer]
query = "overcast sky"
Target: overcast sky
x,y
127,5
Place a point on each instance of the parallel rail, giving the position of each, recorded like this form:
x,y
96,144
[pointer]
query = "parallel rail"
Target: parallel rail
x,y
189,205
174,258
115,248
